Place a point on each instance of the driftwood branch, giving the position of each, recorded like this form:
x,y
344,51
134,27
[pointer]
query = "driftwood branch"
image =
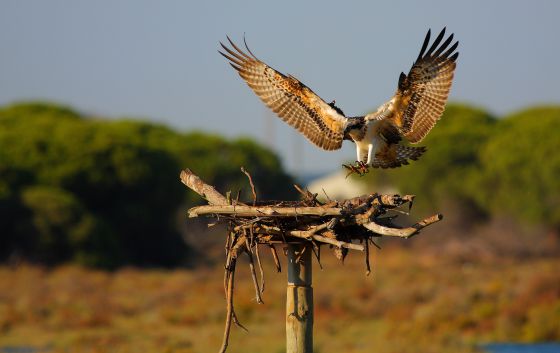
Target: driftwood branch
x,y
402,232
207,192
258,211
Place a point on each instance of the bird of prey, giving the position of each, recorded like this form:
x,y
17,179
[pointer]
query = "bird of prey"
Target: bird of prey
x,y
409,115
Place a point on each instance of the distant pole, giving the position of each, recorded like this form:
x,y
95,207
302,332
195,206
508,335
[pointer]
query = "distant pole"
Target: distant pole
x,y
298,155
269,129
299,300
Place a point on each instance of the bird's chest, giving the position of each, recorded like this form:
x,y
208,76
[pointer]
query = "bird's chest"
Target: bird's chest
x,y
368,136
373,130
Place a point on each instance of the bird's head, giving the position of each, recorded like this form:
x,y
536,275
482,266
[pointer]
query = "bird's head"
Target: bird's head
x,y
356,123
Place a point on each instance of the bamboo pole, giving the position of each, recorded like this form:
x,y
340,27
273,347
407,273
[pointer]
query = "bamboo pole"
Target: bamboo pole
x,y
299,300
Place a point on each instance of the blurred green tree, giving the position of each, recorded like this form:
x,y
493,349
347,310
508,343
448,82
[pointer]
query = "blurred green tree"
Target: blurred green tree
x,y
521,166
61,229
106,193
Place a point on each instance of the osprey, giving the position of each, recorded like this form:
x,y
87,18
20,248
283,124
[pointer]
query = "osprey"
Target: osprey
x,y
410,114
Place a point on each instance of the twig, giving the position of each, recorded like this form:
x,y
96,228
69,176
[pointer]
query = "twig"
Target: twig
x,y
310,232
317,252
402,232
374,244
300,254
275,257
237,323
229,307
260,267
394,200
253,273
252,185
206,191
326,195
308,197
368,268
230,240
339,243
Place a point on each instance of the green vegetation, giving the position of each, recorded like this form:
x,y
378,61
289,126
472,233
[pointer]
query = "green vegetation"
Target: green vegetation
x,y
408,304
106,193
522,167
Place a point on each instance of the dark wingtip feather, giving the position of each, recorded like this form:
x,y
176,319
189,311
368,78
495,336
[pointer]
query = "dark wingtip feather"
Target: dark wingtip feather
x,y
240,55
232,59
425,44
450,50
402,81
238,50
436,42
443,45
246,46
237,68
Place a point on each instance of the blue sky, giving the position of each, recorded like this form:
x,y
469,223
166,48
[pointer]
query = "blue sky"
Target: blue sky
x,y
158,60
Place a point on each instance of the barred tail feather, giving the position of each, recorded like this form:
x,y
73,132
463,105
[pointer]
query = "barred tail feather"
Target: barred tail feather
x,y
395,156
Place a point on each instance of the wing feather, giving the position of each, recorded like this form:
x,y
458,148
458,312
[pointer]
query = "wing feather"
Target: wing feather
x,y
428,84
421,95
291,100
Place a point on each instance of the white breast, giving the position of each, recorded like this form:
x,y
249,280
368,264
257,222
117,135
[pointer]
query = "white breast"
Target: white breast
x,y
370,143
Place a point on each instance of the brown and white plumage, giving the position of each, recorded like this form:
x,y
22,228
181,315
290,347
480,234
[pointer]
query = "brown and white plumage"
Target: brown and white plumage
x,y
293,101
421,95
411,113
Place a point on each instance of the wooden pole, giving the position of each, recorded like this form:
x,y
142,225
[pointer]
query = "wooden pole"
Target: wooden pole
x,y
299,300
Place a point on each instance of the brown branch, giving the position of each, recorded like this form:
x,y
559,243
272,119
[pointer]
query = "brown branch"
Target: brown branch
x,y
308,197
310,232
196,184
402,232
229,307
253,272
252,185
237,323
393,200
236,246
276,259
260,267
427,221
268,211
317,252
339,243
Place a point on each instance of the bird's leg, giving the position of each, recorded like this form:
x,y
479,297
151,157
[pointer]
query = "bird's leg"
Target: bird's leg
x,y
360,168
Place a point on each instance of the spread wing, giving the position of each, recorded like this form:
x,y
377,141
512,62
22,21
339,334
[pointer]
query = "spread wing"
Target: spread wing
x,y
421,95
322,123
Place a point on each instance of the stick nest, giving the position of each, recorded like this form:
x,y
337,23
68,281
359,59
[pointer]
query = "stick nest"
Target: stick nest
x,y
342,225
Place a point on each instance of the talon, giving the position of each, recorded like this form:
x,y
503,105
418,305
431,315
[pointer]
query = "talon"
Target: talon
x,y
351,169
360,168
363,167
